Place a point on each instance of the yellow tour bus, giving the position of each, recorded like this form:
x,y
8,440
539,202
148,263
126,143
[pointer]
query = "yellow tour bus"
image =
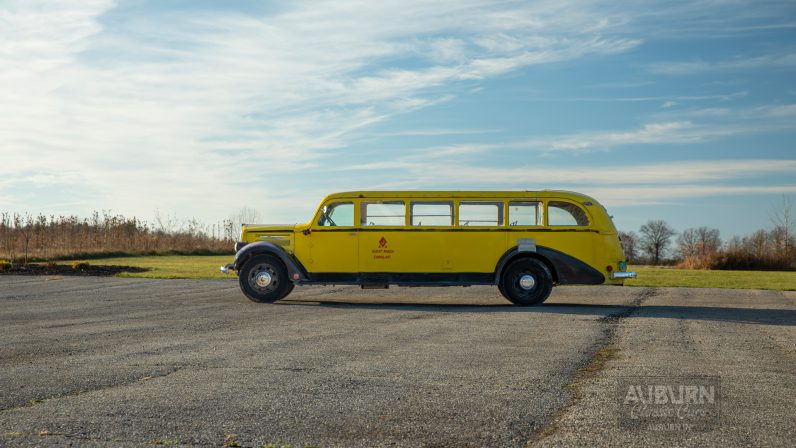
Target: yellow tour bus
x,y
523,242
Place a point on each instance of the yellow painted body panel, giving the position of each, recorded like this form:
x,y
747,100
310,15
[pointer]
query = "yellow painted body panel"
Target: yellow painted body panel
x,y
442,249
331,252
430,251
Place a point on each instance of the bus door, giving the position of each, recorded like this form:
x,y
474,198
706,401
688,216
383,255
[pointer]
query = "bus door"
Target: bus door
x,y
333,240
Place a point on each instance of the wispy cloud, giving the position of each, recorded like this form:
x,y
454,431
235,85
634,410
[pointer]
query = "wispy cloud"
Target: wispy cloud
x,y
633,196
431,174
430,132
739,63
701,125
633,184
179,103
139,107
651,98
672,132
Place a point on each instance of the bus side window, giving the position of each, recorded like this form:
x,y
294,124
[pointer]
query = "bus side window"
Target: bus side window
x,y
382,213
566,214
480,213
432,213
525,213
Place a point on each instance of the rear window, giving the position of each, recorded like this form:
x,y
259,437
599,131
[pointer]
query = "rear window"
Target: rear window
x,y
566,214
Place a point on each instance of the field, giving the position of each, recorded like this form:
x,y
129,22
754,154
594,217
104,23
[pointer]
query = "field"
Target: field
x,y
670,277
178,266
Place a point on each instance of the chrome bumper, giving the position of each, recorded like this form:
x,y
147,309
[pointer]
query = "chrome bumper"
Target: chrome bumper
x,y
226,268
622,275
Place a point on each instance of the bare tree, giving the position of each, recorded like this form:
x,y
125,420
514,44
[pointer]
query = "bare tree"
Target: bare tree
x,y
244,215
169,224
24,225
757,243
698,242
7,232
783,226
629,242
655,238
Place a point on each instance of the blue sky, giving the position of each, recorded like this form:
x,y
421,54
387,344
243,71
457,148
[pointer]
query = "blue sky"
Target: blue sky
x,y
683,111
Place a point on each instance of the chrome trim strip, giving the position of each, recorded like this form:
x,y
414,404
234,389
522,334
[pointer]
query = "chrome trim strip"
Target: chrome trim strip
x,y
622,275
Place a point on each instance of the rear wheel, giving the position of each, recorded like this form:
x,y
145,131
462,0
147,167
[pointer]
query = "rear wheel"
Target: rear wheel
x,y
526,281
263,279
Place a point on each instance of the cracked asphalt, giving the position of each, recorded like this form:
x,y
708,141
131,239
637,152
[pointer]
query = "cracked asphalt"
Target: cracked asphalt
x,y
136,362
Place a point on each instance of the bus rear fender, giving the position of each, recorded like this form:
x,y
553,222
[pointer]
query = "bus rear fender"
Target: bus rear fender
x,y
566,269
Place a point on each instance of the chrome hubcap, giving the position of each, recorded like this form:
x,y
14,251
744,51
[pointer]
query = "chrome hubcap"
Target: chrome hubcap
x,y
527,282
263,279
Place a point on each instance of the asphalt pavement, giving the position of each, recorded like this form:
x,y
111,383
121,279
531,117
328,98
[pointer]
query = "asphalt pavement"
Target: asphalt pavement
x,y
136,362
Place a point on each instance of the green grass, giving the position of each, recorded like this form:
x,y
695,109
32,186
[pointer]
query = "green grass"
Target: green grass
x,y
666,276
200,266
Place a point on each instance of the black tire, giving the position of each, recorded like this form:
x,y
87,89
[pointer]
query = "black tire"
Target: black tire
x,y
277,288
512,289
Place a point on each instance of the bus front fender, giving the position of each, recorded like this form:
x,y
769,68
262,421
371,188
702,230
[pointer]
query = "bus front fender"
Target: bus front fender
x,y
295,270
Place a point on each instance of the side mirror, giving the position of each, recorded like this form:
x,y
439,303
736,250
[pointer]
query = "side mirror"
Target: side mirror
x,y
306,231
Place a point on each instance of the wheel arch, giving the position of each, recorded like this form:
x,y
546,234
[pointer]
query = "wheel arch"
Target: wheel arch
x,y
566,269
515,254
295,270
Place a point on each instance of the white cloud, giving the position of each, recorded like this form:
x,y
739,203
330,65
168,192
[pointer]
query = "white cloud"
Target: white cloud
x,y
638,99
158,113
432,132
630,196
785,110
739,63
202,112
657,133
432,175
635,184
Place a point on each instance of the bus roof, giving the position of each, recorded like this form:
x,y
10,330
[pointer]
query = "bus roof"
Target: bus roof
x,y
542,194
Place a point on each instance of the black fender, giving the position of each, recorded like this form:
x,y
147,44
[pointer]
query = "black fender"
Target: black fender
x,y
566,269
295,271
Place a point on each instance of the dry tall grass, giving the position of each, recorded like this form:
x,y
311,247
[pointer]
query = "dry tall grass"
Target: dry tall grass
x,y
761,251
26,237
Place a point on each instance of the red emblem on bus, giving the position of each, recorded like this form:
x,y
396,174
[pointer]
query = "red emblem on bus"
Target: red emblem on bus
x,y
383,242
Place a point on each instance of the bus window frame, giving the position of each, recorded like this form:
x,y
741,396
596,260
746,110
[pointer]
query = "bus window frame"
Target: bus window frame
x,y
541,206
362,225
502,212
451,202
319,213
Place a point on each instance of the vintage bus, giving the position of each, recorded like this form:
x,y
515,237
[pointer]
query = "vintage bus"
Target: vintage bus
x,y
523,242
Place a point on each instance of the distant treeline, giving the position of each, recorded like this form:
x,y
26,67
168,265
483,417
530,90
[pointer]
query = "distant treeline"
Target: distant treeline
x,y
702,248
24,237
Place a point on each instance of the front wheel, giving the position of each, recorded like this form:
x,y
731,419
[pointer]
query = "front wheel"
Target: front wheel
x,y
526,282
263,279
